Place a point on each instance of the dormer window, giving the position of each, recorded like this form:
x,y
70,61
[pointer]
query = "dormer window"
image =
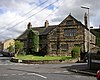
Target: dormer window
x,y
69,22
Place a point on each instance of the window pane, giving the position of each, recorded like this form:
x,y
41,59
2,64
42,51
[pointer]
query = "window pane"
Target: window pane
x,y
70,32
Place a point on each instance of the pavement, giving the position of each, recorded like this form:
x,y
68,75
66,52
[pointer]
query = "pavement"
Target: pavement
x,y
82,68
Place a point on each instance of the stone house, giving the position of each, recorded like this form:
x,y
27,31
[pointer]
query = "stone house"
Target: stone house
x,y
60,39
4,45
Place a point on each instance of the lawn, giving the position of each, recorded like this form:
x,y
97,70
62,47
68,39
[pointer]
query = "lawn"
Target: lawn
x,y
31,57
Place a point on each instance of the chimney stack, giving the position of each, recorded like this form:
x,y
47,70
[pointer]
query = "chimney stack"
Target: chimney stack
x,y
85,20
46,23
29,26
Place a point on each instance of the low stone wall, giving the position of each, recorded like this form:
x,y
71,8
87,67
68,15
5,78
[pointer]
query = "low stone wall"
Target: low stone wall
x,y
43,61
95,61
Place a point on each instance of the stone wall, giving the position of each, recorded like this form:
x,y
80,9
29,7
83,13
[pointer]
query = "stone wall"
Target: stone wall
x,y
95,61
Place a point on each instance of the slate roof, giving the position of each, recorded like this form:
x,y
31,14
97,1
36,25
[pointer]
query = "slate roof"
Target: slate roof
x,y
45,30
42,31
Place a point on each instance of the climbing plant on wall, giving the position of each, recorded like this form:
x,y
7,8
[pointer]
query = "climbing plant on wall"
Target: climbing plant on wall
x,y
33,42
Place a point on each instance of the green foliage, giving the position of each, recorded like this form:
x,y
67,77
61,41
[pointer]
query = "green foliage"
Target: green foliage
x,y
31,57
18,46
75,52
11,48
98,41
22,54
33,41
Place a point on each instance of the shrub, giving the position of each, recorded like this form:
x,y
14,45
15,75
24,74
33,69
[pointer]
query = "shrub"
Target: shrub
x,y
75,53
22,54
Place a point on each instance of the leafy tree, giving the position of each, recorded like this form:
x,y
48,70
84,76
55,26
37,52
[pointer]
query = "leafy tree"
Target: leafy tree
x,y
11,48
18,46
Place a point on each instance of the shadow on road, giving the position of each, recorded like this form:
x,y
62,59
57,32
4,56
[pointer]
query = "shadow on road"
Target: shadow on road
x,y
80,67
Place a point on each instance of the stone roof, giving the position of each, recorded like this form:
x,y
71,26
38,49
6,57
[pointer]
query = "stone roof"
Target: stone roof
x,y
44,30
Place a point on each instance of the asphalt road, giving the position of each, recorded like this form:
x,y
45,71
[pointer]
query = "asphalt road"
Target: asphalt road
x,y
19,71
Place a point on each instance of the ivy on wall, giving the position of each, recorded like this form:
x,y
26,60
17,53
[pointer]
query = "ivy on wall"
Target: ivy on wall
x,y
33,42
98,41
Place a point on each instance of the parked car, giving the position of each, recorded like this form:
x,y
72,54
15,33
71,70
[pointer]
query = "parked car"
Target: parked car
x,y
7,54
98,75
1,55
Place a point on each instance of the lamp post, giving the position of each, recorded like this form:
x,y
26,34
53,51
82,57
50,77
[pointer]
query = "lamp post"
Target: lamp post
x,y
89,60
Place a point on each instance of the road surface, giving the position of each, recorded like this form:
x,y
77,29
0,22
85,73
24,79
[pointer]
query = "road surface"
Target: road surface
x,y
19,71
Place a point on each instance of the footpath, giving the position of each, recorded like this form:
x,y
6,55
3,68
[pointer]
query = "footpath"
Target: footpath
x,y
82,68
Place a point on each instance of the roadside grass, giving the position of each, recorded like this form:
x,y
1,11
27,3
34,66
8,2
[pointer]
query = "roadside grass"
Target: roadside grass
x,y
31,57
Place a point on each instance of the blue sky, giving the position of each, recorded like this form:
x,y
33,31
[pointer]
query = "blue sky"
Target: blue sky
x,y
11,12
2,11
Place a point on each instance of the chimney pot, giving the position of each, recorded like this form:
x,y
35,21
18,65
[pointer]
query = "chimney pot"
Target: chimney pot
x,y
46,23
29,25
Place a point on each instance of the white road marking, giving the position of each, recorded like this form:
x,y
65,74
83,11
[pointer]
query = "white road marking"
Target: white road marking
x,y
5,74
78,76
65,71
21,74
61,71
57,72
37,75
13,74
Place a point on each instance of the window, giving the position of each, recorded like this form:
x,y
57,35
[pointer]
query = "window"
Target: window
x,y
64,47
70,32
30,40
54,34
77,45
69,22
54,46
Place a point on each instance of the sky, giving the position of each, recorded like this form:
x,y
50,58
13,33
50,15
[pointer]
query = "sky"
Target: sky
x,y
15,14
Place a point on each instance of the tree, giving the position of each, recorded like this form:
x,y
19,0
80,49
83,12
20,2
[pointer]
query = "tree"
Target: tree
x,y
11,48
18,46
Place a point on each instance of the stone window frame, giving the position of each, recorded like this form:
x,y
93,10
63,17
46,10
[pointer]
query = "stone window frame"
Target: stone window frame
x,y
64,47
54,46
69,22
70,32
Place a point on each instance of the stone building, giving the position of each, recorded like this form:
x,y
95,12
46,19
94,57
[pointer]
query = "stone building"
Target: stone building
x,y
60,39
4,45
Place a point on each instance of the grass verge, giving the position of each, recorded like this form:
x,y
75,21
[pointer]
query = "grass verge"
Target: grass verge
x,y
31,57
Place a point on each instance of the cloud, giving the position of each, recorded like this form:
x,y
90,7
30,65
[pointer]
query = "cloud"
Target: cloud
x,y
12,12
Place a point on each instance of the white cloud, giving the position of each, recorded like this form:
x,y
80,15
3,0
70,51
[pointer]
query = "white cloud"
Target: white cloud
x,y
14,10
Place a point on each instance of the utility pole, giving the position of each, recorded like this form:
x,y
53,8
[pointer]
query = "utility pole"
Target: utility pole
x,y
89,60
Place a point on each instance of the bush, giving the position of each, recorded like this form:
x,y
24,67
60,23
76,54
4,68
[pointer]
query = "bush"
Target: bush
x,y
22,54
75,53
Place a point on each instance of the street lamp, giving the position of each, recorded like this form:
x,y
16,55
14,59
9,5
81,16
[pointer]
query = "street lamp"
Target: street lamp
x,y
89,61
84,7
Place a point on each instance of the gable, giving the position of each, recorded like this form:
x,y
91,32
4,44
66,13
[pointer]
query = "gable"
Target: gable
x,y
70,20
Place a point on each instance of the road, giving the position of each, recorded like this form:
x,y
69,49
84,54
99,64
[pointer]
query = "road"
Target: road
x,y
19,71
